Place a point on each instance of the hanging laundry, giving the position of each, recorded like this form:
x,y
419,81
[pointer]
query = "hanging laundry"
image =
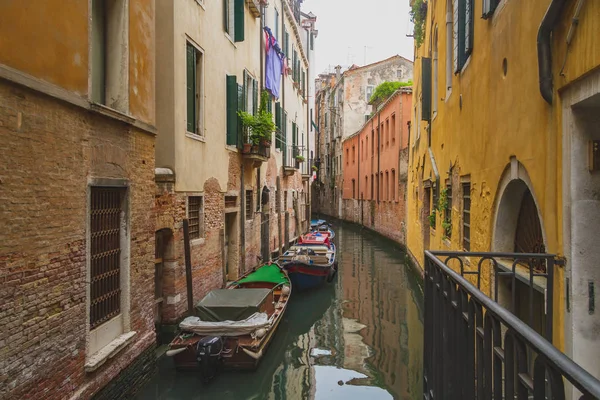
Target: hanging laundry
x,y
274,61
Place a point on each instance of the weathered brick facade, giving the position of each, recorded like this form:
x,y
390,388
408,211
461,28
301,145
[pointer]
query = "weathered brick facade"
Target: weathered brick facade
x,y
51,150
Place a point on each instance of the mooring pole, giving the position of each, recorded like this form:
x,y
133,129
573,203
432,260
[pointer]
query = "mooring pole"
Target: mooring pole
x,y
188,266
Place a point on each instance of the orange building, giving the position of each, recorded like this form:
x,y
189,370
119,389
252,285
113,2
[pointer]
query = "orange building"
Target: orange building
x,y
375,161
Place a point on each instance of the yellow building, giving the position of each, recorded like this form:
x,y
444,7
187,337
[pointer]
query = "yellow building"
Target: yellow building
x,y
506,95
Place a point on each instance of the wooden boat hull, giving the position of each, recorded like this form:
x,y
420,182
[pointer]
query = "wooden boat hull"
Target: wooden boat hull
x,y
238,352
306,277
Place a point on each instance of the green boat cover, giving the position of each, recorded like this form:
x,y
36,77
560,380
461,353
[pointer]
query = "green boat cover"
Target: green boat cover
x,y
230,304
267,273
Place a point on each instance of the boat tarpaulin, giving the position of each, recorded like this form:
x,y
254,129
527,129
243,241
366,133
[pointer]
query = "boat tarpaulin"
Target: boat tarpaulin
x,y
267,273
225,328
230,304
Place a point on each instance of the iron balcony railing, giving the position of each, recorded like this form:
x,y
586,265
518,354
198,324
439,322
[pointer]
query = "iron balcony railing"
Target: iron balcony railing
x,y
476,349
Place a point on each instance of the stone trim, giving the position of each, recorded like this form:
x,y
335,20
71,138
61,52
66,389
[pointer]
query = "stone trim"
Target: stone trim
x,y
109,351
15,76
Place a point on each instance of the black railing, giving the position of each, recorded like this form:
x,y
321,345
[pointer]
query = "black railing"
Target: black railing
x,y
476,349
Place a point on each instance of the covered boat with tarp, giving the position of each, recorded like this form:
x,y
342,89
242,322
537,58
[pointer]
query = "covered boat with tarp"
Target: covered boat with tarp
x,y
311,261
321,226
232,328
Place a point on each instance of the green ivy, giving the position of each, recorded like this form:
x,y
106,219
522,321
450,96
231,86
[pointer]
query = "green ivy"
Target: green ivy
x,y
418,14
386,89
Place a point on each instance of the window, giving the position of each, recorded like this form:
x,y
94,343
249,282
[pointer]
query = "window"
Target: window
x,y
399,74
393,127
387,186
353,155
286,44
285,196
448,211
380,188
372,142
249,207
194,89
380,134
250,94
110,54
387,133
466,192
353,189
233,19
372,186
347,156
463,24
196,216
434,97
449,44
369,91
489,6
393,185
106,237
277,202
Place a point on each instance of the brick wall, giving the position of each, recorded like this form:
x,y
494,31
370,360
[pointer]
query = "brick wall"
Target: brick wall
x,y
50,150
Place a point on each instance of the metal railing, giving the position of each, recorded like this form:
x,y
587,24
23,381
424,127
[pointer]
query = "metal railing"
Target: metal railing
x,y
476,349
290,154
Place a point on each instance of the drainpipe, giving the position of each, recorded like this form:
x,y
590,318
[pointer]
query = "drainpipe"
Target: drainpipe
x,y
544,47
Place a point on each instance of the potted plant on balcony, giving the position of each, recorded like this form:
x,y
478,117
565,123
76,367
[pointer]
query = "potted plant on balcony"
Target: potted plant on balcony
x,y
314,168
260,127
300,158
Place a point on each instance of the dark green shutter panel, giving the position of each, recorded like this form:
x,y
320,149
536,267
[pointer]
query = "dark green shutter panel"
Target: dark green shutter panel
x,y
461,33
284,129
287,44
312,41
239,20
232,107
426,89
244,93
191,88
255,93
241,106
278,125
303,82
226,15
468,28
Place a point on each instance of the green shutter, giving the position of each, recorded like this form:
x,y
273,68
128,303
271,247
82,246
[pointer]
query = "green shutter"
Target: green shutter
x,y
286,45
239,20
303,83
468,28
284,137
191,88
232,107
426,89
226,15
255,99
241,107
278,124
461,33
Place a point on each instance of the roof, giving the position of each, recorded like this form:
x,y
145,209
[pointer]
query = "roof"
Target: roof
x,y
352,69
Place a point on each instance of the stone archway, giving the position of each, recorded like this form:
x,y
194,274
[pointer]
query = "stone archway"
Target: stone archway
x,y
518,228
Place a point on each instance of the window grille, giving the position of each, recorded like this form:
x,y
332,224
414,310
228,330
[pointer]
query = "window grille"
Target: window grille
x,y
249,208
196,217
105,244
466,216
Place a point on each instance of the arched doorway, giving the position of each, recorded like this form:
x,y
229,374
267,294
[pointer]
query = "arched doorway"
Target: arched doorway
x,y
518,228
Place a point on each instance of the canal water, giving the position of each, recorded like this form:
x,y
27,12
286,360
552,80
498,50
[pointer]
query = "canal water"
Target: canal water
x,y
360,337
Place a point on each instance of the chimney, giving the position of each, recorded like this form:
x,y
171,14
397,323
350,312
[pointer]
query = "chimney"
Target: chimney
x,y
338,73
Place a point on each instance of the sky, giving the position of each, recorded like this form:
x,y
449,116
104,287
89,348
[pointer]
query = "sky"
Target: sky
x,y
347,26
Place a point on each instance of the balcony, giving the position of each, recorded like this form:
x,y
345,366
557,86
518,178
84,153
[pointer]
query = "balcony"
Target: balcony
x,y
476,349
256,154
292,159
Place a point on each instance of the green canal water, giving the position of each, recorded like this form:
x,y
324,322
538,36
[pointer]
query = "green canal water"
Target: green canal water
x,y
360,337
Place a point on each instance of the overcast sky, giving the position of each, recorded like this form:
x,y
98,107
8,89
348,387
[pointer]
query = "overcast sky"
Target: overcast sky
x,y
347,26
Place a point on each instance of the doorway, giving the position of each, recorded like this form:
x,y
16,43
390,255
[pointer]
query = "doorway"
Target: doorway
x,y
231,247
163,255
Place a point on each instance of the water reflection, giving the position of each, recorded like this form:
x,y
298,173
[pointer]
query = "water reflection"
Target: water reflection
x,y
360,337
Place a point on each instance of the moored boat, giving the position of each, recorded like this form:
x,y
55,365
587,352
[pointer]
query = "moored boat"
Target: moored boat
x,y
233,327
311,262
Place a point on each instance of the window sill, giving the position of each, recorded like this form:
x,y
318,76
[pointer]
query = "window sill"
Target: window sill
x,y
195,137
111,112
201,4
231,148
230,39
464,68
197,242
109,351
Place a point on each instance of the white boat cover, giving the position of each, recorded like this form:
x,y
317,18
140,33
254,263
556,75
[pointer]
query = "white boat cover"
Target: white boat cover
x,y
225,328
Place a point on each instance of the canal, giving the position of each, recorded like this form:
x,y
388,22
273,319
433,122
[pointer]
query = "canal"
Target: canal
x,y
361,337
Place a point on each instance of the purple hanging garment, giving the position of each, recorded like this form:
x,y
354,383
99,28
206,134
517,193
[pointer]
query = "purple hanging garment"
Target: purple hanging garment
x,y
274,66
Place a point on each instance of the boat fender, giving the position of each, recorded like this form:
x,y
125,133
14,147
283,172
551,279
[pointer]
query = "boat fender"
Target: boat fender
x,y
330,275
174,352
261,333
252,354
285,290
